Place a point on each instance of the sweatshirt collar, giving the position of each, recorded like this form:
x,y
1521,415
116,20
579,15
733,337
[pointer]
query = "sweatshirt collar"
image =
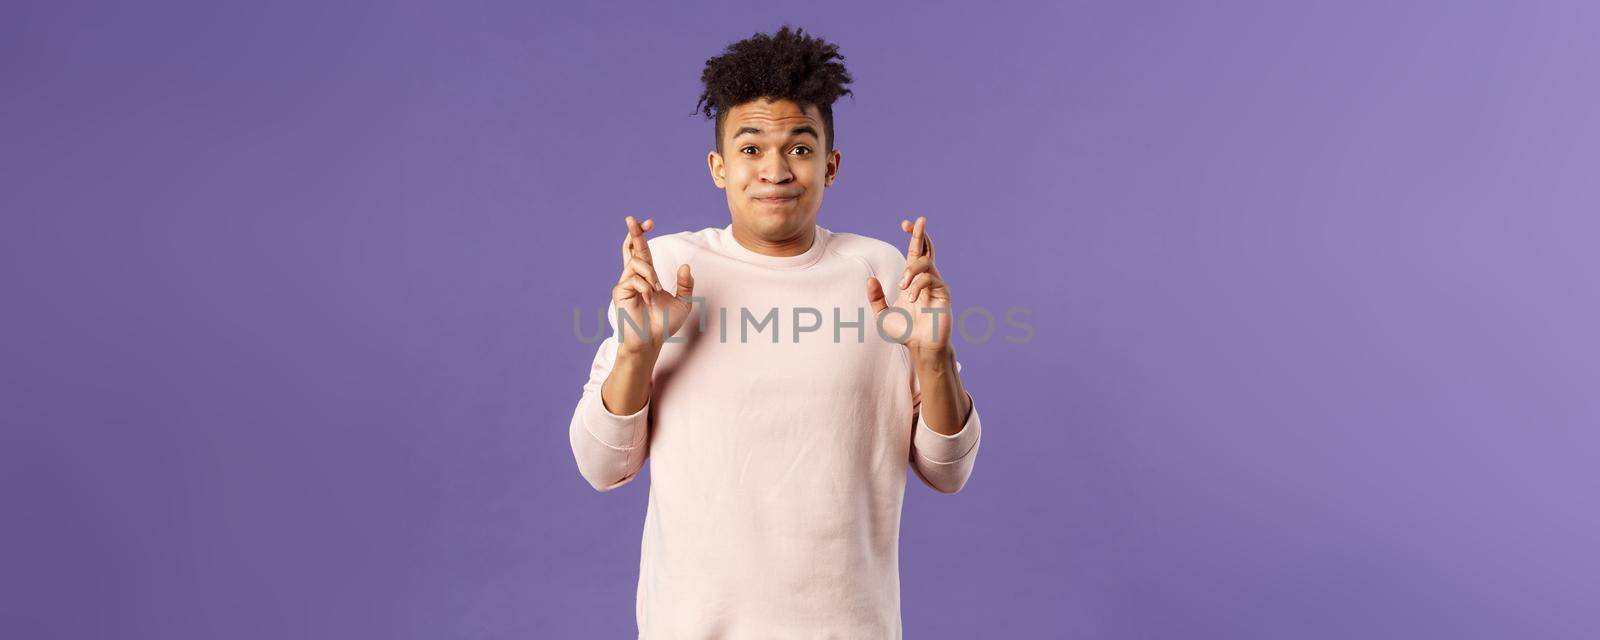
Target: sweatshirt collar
x,y
732,248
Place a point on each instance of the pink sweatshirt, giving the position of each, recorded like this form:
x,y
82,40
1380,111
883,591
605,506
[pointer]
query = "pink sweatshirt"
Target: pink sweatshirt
x,y
779,462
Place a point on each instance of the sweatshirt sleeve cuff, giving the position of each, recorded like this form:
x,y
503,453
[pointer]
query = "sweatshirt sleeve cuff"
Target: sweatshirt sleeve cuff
x,y
612,430
942,449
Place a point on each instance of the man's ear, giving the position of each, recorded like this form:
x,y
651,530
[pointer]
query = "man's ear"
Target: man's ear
x,y
718,175
833,168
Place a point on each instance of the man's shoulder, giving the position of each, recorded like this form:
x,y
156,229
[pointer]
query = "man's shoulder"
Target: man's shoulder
x,y
681,246
881,256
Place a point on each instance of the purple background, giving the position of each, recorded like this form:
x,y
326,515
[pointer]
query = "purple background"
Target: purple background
x,y
288,291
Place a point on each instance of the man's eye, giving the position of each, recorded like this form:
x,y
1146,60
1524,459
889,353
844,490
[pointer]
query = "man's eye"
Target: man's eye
x,y
801,150
747,150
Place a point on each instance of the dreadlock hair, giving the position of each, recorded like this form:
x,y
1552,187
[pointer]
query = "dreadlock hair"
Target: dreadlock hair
x,y
786,65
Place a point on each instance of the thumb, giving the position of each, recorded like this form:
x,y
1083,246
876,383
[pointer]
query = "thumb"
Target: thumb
x,y
685,283
875,295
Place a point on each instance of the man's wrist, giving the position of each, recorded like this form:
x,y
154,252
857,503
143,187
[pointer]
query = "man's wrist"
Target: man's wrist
x,y
637,356
627,389
933,360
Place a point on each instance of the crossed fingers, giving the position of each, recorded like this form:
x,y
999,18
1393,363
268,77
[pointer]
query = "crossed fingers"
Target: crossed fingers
x,y
636,259
921,273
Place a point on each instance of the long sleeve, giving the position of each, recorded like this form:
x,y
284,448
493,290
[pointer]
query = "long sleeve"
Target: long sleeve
x,y
610,449
944,462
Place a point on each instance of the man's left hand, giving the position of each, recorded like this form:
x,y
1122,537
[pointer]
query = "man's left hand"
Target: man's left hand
x,y
922,298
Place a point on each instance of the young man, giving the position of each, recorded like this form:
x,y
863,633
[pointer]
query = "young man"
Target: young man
x,y
793,393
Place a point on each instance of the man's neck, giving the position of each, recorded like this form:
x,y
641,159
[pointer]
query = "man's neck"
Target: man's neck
x,y
782,249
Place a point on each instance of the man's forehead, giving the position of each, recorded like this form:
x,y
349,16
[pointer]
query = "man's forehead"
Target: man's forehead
x,y
783,112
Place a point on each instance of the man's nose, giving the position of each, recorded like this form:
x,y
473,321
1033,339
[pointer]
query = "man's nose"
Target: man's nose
x,y
775,169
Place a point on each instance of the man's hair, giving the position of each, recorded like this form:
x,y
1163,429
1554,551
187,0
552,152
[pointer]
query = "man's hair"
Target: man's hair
x,y
787,65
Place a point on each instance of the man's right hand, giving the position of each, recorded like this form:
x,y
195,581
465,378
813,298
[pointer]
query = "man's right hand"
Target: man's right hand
x,y
640,296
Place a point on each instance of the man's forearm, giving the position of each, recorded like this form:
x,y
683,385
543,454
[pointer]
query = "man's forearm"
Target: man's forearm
x,y
627,388
945,404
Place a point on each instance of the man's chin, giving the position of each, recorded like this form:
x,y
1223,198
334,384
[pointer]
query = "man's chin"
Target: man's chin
x,y
778,218
774,215
775,225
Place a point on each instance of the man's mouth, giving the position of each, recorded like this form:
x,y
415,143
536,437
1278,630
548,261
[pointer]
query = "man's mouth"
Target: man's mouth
x,y
776,200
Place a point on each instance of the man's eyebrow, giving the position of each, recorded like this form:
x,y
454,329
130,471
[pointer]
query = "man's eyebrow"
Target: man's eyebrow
x,y
805,128
802,129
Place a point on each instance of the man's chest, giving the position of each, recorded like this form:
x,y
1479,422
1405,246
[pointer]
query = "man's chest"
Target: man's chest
x,y
781,348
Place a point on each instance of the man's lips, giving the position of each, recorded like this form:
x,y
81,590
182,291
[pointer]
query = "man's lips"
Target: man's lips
x,y
776,199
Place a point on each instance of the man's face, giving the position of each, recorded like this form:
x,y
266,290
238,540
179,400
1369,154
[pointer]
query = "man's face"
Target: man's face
x,y
773,168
